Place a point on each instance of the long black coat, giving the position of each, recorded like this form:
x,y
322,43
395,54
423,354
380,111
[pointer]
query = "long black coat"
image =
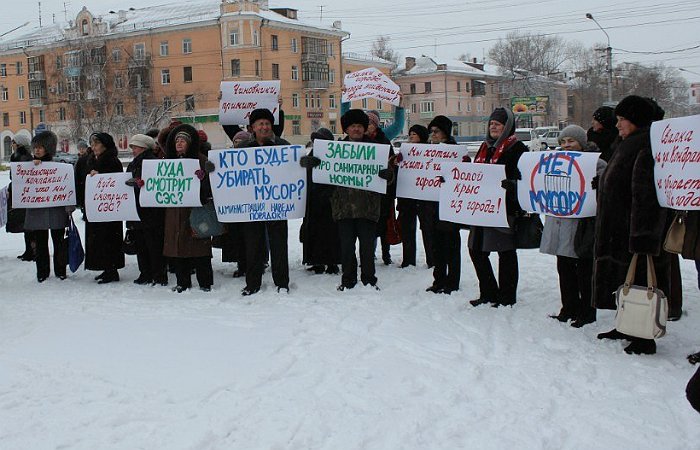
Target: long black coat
x,y
15,216
629,220
150,217
103,240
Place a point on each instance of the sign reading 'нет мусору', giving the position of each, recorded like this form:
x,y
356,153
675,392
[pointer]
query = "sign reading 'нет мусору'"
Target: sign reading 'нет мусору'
x,y
240,98
472,194
43,185
558,183
675,145
170,183
109,199
420,167
351,164
258,183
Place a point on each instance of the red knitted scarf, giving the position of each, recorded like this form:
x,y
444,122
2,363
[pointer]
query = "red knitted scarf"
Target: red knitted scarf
x,y
482,154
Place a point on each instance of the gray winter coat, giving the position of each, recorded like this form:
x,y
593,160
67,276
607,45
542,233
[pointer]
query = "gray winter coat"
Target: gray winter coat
x,y
53,218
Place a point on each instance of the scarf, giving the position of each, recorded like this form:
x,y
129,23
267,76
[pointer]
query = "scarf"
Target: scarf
x,y
490,155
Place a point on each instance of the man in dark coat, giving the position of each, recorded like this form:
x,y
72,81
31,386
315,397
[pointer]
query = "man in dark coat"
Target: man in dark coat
x,y
21,146
603,132
149,231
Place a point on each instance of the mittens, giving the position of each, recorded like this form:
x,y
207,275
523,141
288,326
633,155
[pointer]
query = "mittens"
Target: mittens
x,y
134,181
199,173
309,161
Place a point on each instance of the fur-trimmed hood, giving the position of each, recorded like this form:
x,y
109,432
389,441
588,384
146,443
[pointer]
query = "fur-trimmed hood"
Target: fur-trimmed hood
x,y
192,150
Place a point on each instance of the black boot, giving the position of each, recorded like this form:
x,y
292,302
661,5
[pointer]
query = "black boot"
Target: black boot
x,y
641,346
480,301
585,319
614,335
332,269
109,276
694,358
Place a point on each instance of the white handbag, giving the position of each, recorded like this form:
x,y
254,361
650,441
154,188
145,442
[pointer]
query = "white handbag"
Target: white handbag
x,y
641,311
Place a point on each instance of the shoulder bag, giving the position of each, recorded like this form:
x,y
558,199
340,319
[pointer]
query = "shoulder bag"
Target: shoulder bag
x,y
204,222
528,231
676,234
76,254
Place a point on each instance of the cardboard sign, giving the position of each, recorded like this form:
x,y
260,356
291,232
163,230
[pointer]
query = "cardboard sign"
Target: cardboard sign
x,y
170,183
240,98
558,183
351,164
260,183
109,199
675,144
421,167
472,194
370,82
45,185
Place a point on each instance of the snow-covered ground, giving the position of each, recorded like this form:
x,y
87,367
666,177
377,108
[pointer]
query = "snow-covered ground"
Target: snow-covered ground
x,y
119,366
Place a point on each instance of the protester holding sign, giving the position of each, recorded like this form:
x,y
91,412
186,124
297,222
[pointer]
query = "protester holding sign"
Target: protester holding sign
x,y
447,242
630,219
103,240
394,128
15,216
501,147
148,233
575,269
186,251
53,219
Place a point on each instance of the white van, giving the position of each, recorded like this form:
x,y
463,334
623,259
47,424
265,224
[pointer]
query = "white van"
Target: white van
x,y
528,137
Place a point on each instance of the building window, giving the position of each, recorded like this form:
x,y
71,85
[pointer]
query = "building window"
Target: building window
x,y
274,42
187,74
256,40
84,27
427,107
5,94
42,115
459,87
467,87
295,47
469,106
3,70
459,106
20,93
187,46
189,102
6,119
333,126
306,101
233,37
19,68
61,113
165,76
295,100
140,51
413,108
275,71
59,63
428,87
412,88
164,49
379,104
257,67
116,56
295,72
296,127
118,82
330,49
331,76
22,117
331,101
119,109
364,103
167,103
235,67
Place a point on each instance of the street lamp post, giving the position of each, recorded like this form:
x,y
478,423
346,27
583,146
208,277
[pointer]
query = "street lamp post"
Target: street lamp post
x,y
608,51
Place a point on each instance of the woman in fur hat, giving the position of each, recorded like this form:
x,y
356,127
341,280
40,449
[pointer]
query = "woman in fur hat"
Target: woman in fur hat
x,y
15,216
603,131
574,266
629,217
501,147
103,240
53,220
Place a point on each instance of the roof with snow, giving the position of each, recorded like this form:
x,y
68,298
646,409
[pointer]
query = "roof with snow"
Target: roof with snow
x,y
361,57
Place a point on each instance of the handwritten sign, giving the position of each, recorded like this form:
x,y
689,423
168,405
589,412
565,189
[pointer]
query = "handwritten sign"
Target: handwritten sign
x,y
42,186
421,167
558,183
109,199
370,82
675,144
3,206
472,194
260,183
170,183
240,98
351,164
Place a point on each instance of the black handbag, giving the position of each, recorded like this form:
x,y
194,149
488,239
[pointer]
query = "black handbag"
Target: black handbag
x,y
129,245
584,238
204,222
528,231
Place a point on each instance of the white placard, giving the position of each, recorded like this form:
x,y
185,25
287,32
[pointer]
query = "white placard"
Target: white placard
x,y
472,194
240,98
260,183
109,199
170,183
3,206
675,144
42,186
351,164
421,167
558,183
370,82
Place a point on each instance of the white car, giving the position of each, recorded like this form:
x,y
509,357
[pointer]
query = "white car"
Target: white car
x,y
550,140
527,137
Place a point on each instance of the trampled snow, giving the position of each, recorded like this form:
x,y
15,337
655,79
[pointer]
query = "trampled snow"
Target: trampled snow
x,y
120,366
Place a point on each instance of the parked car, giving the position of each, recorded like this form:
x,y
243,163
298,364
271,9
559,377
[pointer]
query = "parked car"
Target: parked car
x,y
550,140
541,131
63,157
526,136
398,140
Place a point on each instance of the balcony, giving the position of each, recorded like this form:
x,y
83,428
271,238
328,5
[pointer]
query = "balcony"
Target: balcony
x,y
314,57
36,76
427,115
36,102
140,60
316,84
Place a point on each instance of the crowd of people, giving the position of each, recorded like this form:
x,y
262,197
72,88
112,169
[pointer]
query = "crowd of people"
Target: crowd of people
x,y
592,254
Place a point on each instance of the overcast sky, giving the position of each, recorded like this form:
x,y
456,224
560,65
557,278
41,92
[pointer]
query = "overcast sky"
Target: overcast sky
x,y
641,31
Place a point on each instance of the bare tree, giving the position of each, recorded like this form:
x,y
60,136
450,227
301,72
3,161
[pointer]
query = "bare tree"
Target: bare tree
x,y
381,48
541,55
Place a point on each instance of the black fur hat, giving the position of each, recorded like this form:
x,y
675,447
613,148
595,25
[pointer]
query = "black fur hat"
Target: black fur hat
x,y
443,123
605,115
322,133
261,113
48,140
354,116
421,131
637,110
108,141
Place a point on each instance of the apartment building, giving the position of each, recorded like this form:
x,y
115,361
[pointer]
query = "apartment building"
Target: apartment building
x,y
352,62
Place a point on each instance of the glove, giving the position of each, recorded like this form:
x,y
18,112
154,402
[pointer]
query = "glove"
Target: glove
x,y
594,183
385,174
134,182
200,174
309,161
398,158
508,184
440,178
466,158
70,209
209,167
518,175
